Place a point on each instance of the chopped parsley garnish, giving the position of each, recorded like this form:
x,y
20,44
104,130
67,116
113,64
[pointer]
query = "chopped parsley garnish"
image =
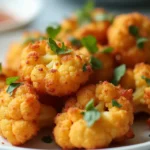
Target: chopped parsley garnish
x,y
95,63
12,85
52,31
11,80
146,79
140,41
90,43
116,104
47,139
75,42
107,50
84,14
0,68
134,31
56,49
105,17
91,114
118,73
84,68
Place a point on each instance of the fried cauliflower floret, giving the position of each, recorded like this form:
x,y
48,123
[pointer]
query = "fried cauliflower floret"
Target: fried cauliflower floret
x,y
50,73
127,81
108,64
22,115
71,130
72,28
98,29
67,28
15,50
124,43
141,95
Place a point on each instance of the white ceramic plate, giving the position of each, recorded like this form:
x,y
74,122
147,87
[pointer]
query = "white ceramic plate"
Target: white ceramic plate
x,y
21,11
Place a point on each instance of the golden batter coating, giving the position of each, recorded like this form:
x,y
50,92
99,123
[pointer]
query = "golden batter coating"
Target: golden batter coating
x,y
71,130
123,35
51,73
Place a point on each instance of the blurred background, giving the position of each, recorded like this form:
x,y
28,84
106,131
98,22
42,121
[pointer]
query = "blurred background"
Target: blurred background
x,y
17,16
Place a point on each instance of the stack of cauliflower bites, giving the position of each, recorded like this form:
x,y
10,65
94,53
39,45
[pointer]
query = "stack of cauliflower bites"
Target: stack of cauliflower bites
x,y
94,66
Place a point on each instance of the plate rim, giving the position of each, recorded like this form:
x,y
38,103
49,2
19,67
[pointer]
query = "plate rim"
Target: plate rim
x,y
140,145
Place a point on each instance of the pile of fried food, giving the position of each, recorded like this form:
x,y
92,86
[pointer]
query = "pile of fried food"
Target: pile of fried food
x,y
84,78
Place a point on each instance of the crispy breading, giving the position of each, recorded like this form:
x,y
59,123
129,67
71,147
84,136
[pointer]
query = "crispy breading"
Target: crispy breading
x,y
141,96
124,42
58,75
71,130
108,65
127,81
13,55
22,115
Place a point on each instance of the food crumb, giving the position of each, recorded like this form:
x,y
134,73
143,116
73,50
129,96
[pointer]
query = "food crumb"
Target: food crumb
x,y
47,139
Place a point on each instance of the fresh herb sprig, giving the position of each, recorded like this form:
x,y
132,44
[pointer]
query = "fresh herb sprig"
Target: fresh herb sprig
x,y
90,43
95,64
53,31
116,104
118,73
147,80
11,81
75,42
91,114
107,50
140,41
84,14
58,50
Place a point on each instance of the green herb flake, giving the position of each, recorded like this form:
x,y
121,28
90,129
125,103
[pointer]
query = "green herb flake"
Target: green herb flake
x,y
84,68
146,79
0,68
47,139
12,87
134,31
104,17
95,63
91,114
116,104
84,14
90,43
75,42
52,31
119,73
107,50
56,49
141,41
11,80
